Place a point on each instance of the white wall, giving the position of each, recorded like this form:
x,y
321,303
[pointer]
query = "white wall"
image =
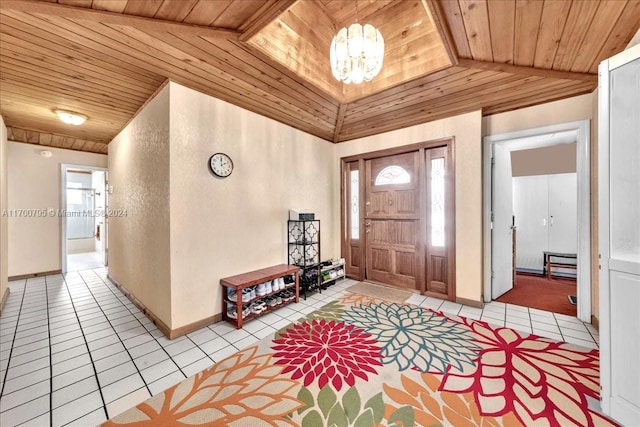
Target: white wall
x,y
34,182
466,129
4,241
139,173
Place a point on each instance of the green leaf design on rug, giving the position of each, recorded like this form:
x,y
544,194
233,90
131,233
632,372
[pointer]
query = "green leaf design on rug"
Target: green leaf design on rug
x,y
413,337
402,417
331,311
345,412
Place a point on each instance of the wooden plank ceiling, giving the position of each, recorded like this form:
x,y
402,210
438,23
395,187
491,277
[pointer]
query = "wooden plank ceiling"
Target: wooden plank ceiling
x,y
105,58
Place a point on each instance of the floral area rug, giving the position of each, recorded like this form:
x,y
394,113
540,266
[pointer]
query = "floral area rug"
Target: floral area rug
x,y
364,362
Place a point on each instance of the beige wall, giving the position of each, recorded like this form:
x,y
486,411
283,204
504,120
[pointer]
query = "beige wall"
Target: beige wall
x,y
34,183
223,227
4,240
563,111
466,129
139,242
583,107
186,229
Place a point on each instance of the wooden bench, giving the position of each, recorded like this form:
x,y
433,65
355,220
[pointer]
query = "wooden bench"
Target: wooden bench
x,y
549,263
252,278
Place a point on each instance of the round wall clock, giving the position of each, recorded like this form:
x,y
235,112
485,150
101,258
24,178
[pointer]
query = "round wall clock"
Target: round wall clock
x,y
221,165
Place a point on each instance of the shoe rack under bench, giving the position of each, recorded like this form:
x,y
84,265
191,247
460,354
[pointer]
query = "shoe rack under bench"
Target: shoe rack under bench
x,y
253,278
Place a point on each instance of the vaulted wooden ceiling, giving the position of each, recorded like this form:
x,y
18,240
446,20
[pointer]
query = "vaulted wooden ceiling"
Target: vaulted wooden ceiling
x,y
105,58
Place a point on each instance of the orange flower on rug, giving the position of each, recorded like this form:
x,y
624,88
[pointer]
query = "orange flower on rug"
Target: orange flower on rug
x,y
244,389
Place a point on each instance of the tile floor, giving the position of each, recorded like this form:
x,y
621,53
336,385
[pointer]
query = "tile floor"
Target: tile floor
x,y
75,351
84,261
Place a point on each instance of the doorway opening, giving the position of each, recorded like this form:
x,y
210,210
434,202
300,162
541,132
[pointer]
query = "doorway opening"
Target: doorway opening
x,y
552,229
84,199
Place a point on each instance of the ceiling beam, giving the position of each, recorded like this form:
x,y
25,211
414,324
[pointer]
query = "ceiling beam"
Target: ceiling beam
x,y
104,17
527,71
342,111
263,17
436,16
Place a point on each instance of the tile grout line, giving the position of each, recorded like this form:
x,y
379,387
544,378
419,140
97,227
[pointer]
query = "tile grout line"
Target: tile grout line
x,y
15,332
155,339
46,293
95,373
119,339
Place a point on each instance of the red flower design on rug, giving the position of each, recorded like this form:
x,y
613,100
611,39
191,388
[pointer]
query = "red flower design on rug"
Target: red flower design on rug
x,y
536,379
328,351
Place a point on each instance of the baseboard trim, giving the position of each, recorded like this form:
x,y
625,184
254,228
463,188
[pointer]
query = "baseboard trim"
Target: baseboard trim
x,y
595,322
32,275
5,297
166,330
470,302
184,330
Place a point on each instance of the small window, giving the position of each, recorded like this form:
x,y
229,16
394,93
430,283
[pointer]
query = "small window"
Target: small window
x,y
355,205
393,175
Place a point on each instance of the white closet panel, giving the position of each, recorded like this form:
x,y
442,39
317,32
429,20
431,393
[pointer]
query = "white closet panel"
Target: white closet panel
x,y
531,209
546,217
563,213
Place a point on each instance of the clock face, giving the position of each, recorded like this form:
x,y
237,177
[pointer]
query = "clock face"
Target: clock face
x,y
221,165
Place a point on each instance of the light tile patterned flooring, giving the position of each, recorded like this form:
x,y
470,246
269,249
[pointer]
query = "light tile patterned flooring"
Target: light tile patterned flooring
x,y
75,351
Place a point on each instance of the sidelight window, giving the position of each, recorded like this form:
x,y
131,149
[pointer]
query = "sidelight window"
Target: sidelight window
x,y
355,204
437,202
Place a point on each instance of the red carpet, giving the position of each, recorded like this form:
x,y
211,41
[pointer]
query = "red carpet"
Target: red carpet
x,y
538,292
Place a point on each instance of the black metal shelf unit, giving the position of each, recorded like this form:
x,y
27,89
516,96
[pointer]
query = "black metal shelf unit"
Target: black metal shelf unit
x,y
304,252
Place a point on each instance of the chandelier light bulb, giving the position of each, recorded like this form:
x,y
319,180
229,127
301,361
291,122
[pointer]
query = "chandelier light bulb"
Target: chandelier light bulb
x,y
356,53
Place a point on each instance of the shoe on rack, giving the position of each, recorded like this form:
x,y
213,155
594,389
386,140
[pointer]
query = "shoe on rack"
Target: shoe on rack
x,y
282,284
261,289
232,296
271,302
269,287
245,312
232,313
246,295
257,307
278,300
253,292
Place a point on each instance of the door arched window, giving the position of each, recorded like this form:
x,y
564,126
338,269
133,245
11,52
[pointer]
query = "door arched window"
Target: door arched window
x,y
393,175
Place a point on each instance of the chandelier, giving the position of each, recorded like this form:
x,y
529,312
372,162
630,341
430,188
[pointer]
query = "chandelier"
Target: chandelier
x,y
356,53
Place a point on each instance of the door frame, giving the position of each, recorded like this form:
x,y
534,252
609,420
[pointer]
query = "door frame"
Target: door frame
x,y
579,132
64,168
345,235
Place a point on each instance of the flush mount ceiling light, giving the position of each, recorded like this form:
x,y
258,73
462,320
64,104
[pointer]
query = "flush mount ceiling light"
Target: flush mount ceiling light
x,y
70,117
356,53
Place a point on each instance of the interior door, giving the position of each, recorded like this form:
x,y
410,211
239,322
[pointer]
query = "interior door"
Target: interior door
x,y
618,214
502,214
392,220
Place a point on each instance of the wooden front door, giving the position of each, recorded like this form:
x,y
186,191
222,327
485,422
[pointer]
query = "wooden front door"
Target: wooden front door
x,y
398,221
392,220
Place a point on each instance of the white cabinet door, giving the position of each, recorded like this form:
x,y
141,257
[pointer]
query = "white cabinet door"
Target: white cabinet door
x,y
619,213
531,208
563,213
